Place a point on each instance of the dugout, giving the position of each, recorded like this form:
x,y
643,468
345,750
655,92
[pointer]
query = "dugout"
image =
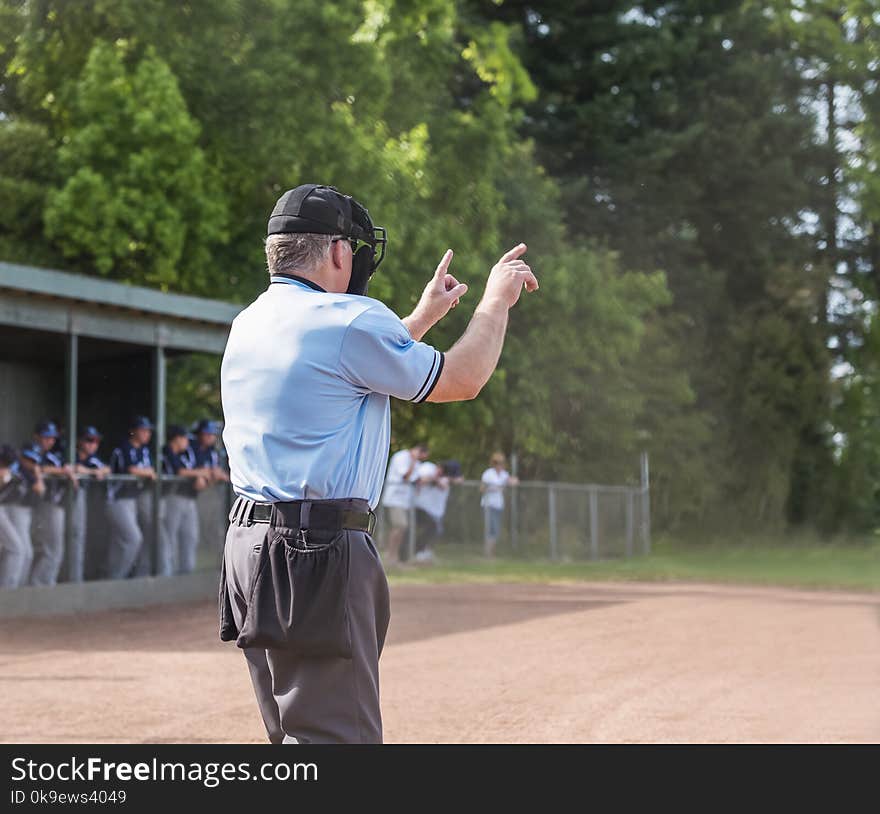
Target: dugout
x,y
77,348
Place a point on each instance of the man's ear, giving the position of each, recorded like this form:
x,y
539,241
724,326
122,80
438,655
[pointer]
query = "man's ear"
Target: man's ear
x,y
337,254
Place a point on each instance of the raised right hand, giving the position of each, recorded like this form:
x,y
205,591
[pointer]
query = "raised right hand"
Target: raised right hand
x,y
508,276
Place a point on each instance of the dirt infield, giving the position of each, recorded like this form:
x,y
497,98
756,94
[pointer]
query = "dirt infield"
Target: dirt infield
x,y
483,663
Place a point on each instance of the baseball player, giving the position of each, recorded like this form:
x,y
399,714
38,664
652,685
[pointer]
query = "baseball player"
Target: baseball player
x,y
15,543
48,519
305,382
29,487
88,468
181,510
207,456
130,504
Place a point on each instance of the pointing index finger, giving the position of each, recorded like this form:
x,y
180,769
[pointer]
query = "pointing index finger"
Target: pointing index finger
x,y
517,251
444,263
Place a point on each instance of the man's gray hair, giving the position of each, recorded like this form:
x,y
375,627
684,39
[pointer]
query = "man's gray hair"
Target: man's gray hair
x,y
296,252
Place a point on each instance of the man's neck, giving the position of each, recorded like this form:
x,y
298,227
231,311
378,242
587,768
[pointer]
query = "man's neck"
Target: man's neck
x,y
323,277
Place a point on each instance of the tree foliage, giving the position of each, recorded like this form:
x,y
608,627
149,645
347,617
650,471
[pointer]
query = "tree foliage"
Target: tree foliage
x,y
696,182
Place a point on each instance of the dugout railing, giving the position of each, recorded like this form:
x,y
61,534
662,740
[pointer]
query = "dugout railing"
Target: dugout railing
x,y
212,504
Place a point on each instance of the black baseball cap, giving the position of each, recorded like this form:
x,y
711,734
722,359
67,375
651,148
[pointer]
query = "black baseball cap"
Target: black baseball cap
x,y
141,422
324,210
177,431
89,432
208,426
47,429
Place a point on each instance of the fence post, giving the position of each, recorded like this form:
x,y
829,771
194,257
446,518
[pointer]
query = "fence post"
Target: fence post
x,y
594,523
514,508
411,536
72,387
160,374
551,505
646,505
630,511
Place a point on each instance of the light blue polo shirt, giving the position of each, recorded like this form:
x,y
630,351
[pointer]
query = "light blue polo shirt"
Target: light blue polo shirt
x,y
305,382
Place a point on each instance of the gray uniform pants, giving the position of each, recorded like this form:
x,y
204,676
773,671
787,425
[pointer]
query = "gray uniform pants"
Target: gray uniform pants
x,y
181,535
15,548
317,700
48,537
131,526
22,517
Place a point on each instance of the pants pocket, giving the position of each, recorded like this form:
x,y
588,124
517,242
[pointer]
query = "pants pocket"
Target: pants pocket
x,y
228,630
299,599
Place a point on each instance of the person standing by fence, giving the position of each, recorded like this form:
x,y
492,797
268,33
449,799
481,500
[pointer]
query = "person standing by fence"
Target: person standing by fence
x,y
88,466
130,506
432,495
492,484
48,530
181,537
15,542
207,456
399,495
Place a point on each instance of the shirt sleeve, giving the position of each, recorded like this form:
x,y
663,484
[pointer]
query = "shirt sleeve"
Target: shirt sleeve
x,y
379,355
31,454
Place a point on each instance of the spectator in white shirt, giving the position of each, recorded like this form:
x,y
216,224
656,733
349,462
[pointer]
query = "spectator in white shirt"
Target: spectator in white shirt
x,y
399,495
432,494
492,484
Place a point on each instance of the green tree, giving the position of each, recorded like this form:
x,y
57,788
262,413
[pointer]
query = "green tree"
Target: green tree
x,y
139,200
679,137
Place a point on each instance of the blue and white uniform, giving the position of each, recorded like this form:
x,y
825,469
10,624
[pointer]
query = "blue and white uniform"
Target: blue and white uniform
x,y
205,457
305,380
130,512
48,519
16,551
124,456
181,519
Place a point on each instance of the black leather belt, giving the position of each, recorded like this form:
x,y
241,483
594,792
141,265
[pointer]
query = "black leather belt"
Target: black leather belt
x,y
301,515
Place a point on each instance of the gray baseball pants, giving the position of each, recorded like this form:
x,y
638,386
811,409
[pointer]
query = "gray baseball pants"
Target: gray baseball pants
x,y
22,517
181,535
48,536
131,525
15,549
317,699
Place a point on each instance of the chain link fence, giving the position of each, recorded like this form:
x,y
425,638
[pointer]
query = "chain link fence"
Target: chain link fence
x,y
559,521
540,520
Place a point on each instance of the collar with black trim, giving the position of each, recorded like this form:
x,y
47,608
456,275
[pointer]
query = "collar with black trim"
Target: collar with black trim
x,y
282,278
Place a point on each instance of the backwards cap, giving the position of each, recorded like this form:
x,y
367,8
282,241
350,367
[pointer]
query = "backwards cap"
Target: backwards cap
x,y
320,210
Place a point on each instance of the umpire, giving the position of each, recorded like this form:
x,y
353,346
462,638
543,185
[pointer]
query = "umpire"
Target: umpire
x,y
305,383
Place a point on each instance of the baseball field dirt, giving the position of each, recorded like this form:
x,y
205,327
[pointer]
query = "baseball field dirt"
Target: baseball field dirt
x,y
484,663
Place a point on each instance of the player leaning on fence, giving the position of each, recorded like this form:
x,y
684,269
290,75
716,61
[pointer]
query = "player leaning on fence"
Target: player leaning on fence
x,y
305,381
